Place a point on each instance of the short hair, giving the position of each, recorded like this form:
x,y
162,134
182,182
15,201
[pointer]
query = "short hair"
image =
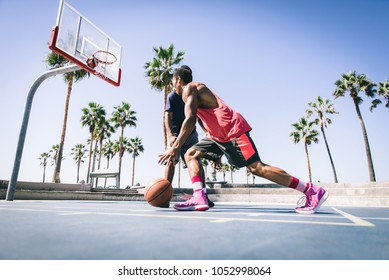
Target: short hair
x,y
184,74
187,68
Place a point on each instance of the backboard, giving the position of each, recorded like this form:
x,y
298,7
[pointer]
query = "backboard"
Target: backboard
x,y
77,39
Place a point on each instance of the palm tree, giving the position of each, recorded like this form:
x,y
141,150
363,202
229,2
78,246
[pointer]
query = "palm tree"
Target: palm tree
x,y
78,152
116,147
54,61
322,107
43,157
95,151
232,170
134,147
353,84
383,90
123,116
54,153
92,116
120,146
225,167
304,132
248,173
103,132
159,72
109,153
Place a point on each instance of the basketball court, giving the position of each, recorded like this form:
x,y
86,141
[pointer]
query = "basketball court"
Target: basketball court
x,y
98,230
95,230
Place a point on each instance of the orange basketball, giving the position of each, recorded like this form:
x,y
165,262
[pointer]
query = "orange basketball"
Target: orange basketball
x,y
158,192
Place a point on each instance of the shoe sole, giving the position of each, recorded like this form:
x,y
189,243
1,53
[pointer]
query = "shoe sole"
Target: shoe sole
x,y
322,200
192,208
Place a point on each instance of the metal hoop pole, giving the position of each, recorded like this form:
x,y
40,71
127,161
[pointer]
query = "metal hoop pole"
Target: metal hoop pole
x,y
26,117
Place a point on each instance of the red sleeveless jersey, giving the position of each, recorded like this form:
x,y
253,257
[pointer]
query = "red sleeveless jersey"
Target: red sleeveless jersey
x,y
223,123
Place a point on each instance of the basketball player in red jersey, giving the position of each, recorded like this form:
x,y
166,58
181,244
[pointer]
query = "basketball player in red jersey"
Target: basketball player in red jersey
x,y
228,134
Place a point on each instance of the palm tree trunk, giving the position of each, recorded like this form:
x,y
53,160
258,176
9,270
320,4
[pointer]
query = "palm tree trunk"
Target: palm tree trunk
x,y
121,153
163,118
96,180
212,174
133,169
367,146
308,161
105,182
100,153
58,161
44,174
329,154
90,157
78,170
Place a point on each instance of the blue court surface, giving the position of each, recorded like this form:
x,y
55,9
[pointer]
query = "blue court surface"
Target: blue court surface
x,y
111,230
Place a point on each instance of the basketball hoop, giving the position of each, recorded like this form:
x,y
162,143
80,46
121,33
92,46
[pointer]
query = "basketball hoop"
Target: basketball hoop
x,y
101,57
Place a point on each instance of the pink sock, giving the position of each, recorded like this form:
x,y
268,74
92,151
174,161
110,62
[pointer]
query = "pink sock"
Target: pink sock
x,y
197,183
298,185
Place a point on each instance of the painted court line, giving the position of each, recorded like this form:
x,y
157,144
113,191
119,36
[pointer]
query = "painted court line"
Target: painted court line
x,y
355,221
222,220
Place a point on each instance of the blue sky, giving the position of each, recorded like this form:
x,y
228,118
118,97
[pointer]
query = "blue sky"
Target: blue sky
x,y
267,59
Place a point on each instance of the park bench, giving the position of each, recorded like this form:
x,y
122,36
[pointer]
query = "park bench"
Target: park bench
x,y
104,173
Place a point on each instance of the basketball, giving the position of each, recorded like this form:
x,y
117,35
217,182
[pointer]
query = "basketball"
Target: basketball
x,y
158,192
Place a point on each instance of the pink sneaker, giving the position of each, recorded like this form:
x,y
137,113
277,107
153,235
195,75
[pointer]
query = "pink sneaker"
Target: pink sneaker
x,y
187,196
315,197
198,202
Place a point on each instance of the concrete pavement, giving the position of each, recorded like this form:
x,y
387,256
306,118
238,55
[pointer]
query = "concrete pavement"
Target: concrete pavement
x,y
134,230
